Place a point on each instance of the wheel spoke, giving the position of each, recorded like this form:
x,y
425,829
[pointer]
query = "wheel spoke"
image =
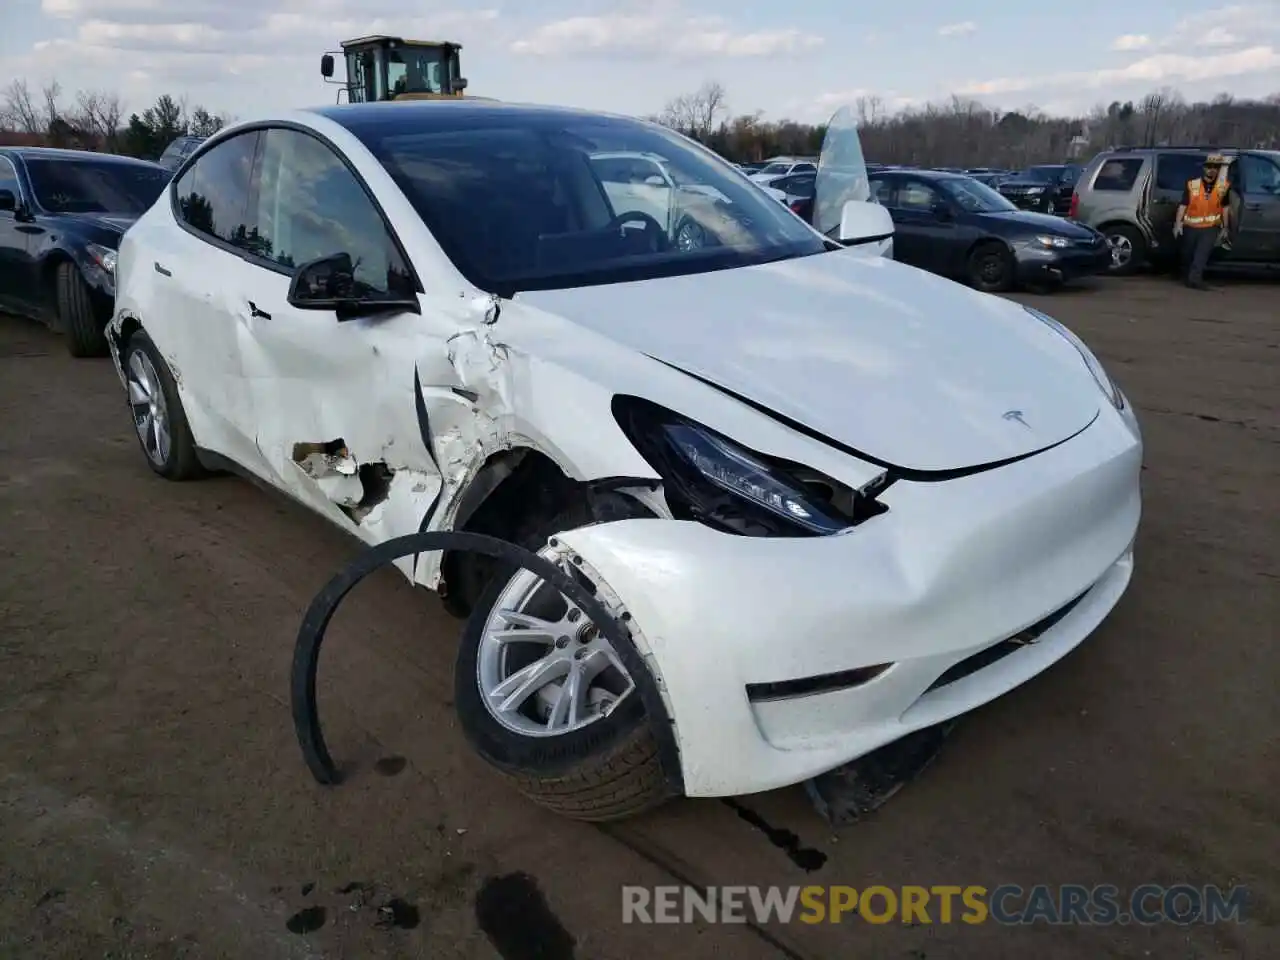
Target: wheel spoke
x,y
162,439
570,705
535,625
512,692
137,394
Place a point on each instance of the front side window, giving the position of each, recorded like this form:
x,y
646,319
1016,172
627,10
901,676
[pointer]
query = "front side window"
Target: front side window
x,y
310,206
213,194
517,201
89,186
1174,170
882,191
914,195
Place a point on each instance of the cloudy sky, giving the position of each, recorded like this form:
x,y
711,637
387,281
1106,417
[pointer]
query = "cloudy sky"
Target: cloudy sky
x,y
798,59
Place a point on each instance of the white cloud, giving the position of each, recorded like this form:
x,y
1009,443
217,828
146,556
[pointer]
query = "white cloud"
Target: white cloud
x,y
1155,70
657,34
957,29
1131,41
1218,37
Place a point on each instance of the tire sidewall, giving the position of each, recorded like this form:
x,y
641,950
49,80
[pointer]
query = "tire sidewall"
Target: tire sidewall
x,y
975,274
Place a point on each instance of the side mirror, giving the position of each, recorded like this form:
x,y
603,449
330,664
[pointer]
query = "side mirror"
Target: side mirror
x,y
8,201
864,222
655,181
326,66
460,84
329,283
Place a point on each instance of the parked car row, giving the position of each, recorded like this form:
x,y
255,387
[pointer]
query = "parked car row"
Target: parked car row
x,y
62,214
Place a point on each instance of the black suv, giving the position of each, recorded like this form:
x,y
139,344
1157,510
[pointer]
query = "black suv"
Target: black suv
x,y
1130,195
1045,188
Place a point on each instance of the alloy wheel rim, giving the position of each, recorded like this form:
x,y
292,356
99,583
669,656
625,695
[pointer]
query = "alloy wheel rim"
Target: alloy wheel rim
x,y
1121,249
150,412
543,668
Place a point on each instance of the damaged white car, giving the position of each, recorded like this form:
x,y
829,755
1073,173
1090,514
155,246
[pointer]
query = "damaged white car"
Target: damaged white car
x,y
834,499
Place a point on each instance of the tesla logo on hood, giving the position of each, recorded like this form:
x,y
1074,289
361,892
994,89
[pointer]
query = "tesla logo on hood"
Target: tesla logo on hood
x,y
1016,415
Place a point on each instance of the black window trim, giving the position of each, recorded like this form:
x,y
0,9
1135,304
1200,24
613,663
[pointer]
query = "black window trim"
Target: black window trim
x,y
260,128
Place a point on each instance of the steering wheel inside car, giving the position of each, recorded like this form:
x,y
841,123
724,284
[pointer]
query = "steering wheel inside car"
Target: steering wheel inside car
x,y
657,234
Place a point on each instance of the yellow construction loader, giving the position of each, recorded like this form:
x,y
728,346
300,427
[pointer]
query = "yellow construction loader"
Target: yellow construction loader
x,y
390,68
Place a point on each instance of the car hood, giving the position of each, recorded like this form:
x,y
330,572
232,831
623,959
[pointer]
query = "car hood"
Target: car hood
x,y
906,368
1045,223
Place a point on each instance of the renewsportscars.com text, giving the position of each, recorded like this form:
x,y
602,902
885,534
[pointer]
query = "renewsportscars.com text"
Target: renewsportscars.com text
x,y
1007,904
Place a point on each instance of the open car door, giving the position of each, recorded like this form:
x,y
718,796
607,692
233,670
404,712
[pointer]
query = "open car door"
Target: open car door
x,y
843,208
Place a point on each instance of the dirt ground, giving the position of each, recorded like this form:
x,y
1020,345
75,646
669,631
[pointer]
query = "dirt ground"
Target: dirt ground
x,y
153,802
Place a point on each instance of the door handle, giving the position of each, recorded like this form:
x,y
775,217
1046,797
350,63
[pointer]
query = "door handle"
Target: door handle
x,y
161,270
255,312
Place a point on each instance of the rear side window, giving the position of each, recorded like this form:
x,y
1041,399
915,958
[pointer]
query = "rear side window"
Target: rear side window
x,y
1118,174
212,195
1173,170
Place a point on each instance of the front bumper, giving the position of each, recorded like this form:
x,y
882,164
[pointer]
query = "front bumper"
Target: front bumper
x,y
1037,263
953,568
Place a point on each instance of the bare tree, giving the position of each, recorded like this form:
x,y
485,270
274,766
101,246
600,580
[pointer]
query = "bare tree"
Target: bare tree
x,y
696,113
20,110
52,93
96,116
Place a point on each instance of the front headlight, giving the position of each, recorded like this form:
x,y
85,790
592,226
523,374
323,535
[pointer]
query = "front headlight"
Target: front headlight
x,y
709,478
1035,190
1057,243
104,257
1100,375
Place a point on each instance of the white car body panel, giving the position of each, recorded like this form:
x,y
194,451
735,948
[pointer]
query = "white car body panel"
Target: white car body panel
x,y
911,369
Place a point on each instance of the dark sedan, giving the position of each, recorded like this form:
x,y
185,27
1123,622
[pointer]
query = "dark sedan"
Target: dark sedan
x,y
952,225
1046,188
62,214
800,189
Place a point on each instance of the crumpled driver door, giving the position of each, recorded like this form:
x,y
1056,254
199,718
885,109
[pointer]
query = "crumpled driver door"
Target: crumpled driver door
x,y
341,419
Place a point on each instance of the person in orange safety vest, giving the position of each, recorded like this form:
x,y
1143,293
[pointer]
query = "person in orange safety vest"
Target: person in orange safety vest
x,y
1203,219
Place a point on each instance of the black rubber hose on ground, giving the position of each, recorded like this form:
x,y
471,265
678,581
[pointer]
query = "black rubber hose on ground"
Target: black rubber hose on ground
x,y
306,653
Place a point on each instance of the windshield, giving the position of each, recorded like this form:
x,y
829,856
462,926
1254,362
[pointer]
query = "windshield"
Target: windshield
x,y
415,70
1041,174
80,186
539,200
778,166
975,197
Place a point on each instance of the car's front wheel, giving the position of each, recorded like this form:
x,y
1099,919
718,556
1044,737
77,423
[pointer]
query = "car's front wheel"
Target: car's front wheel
x,y
158,416
1128,249
77,319
542,696
990,268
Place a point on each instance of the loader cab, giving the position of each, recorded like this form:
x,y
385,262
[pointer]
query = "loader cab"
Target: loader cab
x,y
389,68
